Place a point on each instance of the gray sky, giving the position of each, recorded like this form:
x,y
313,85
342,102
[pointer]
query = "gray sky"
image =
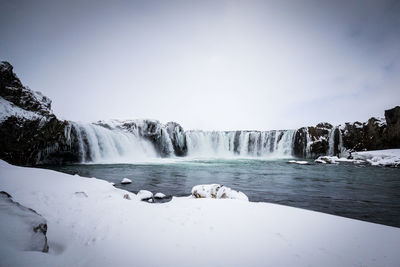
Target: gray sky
x,y
208,64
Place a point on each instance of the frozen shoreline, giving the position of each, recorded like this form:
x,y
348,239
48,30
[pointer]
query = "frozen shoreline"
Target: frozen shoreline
x,y
102,229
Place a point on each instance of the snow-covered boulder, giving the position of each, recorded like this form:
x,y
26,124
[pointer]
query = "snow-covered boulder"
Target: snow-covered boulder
x,y
217,191
159,195
144,195
126,181
320,161
21,228
327,159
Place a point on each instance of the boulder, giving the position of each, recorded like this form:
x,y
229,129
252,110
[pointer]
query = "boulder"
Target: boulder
x,y
159,195
20,227
126,181
217,191
144,195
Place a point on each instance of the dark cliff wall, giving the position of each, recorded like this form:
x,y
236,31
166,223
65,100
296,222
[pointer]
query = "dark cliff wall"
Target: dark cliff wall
x,y
38,139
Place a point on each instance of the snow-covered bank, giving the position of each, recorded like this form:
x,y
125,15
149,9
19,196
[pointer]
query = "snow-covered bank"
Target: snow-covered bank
x,y
90,223
387,157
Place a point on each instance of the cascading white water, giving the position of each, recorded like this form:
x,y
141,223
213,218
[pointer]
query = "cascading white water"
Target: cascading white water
x,y
308,144
101,145
331,140
115,144
243,143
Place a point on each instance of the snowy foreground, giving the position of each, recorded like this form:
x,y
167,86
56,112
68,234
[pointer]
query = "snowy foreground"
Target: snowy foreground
x,y
90,223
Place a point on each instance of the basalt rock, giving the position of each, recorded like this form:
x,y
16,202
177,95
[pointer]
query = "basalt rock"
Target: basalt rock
x,y
178,138
392,117
30,133
312,141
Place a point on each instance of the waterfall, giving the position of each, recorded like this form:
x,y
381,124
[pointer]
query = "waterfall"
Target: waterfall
x,y
98,144
240,143
308,143
133,141
335,144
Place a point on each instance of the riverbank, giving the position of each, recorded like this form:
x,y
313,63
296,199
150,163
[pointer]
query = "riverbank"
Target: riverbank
x,y
100,227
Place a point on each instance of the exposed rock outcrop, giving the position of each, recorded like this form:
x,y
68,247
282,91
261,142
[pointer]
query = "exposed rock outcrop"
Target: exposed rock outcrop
x,y
29,132
374,134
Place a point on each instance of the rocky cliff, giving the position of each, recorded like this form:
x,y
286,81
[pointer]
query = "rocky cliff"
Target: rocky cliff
x,y
31,134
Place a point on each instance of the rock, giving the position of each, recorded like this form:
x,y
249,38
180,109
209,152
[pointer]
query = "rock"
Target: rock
x,y
81,194
178,138
327,159
126,196
320,161
126,181
392,117
144,195
159,195
23,228
217,191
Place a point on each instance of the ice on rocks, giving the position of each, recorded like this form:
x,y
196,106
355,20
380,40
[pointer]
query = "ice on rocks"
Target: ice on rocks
x,y
159,195
126,181
144,195
217,191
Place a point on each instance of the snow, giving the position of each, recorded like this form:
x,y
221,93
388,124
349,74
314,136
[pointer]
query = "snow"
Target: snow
x,y
387,157
336,160
26,225
126,181
8,109
159,195
105,229
144,195
300,162
217,191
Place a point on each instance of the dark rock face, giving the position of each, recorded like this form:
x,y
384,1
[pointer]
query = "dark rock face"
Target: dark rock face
x,y
29,141
38,139
23,228
12,90
373,134
178,138
319,139
300,143
314,138
392,117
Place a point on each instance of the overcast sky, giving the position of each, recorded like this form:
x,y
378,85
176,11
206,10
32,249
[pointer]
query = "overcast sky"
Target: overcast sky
x,y
208,64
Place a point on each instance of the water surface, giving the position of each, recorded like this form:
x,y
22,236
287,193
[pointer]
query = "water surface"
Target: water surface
x,y
355,191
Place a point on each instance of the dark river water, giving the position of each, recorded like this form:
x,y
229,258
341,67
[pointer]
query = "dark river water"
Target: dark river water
x,y
356,191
